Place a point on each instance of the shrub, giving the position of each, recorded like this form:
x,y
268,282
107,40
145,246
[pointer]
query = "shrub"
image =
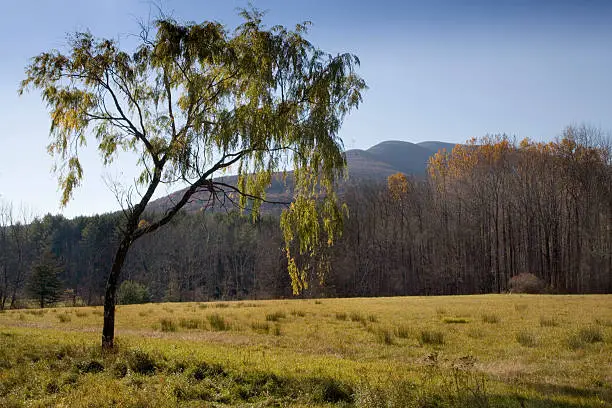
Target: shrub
x,y
526,283
131,292
431,337
490,318
526,339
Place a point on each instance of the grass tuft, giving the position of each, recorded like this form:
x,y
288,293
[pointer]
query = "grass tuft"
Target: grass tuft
x,y
490,318
275,316
190,323
432,337
455,320
167,325
526,339
341,316
548,321
402,331
64,318
217,322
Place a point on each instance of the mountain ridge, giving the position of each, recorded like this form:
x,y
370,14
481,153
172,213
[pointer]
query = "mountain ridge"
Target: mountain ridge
x,y
373,164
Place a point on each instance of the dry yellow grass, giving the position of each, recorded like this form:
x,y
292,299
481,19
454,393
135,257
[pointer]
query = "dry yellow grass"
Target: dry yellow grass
x,y
367,344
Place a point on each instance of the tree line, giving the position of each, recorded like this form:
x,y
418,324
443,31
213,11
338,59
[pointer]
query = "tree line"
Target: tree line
x,y
490,209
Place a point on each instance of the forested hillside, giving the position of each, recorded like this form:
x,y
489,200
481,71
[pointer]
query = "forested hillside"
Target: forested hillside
x,y
486,211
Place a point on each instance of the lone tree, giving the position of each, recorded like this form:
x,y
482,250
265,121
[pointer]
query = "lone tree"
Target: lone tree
x,y
44,284
195,101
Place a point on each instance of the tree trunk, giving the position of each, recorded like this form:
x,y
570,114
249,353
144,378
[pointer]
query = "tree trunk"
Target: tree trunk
x,y
108,330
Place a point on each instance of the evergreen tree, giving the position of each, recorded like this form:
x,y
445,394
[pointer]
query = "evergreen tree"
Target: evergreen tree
x,y
44,283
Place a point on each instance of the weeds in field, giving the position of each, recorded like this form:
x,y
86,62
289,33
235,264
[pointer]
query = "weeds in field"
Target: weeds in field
x,y
402,331
79,313
341,316
275,316
217,322
548,321
260,327
384,336
526,339
299,313
585,336
455,320
490,318
190,323
521,307
167,325
64,318
432,337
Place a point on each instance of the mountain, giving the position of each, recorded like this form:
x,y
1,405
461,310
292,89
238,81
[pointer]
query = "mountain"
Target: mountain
x,y
374,164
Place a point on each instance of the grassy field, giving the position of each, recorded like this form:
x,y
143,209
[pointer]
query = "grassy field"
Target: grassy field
x,y
494,350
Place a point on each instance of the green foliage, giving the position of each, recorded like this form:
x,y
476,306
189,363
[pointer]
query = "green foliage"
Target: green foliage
x,y
196,99
131,292
44,283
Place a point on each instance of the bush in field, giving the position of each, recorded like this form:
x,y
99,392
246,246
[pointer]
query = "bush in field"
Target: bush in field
x,y
131,292
526,283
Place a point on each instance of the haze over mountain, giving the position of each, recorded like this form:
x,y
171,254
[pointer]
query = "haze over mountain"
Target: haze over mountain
x,y
374,164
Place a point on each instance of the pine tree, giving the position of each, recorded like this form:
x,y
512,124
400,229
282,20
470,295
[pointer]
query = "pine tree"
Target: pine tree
x,y
44,283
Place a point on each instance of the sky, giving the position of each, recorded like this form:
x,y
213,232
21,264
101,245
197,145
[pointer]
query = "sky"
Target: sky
x,y
444,70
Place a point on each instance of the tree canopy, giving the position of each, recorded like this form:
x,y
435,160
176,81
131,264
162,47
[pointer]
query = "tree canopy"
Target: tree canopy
x,y
198,100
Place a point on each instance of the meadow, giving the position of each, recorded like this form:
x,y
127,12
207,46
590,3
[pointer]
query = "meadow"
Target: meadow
x,y
456,351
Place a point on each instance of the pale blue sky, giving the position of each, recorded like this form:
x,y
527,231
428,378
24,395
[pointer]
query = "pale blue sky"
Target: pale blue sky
x,y
437,70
